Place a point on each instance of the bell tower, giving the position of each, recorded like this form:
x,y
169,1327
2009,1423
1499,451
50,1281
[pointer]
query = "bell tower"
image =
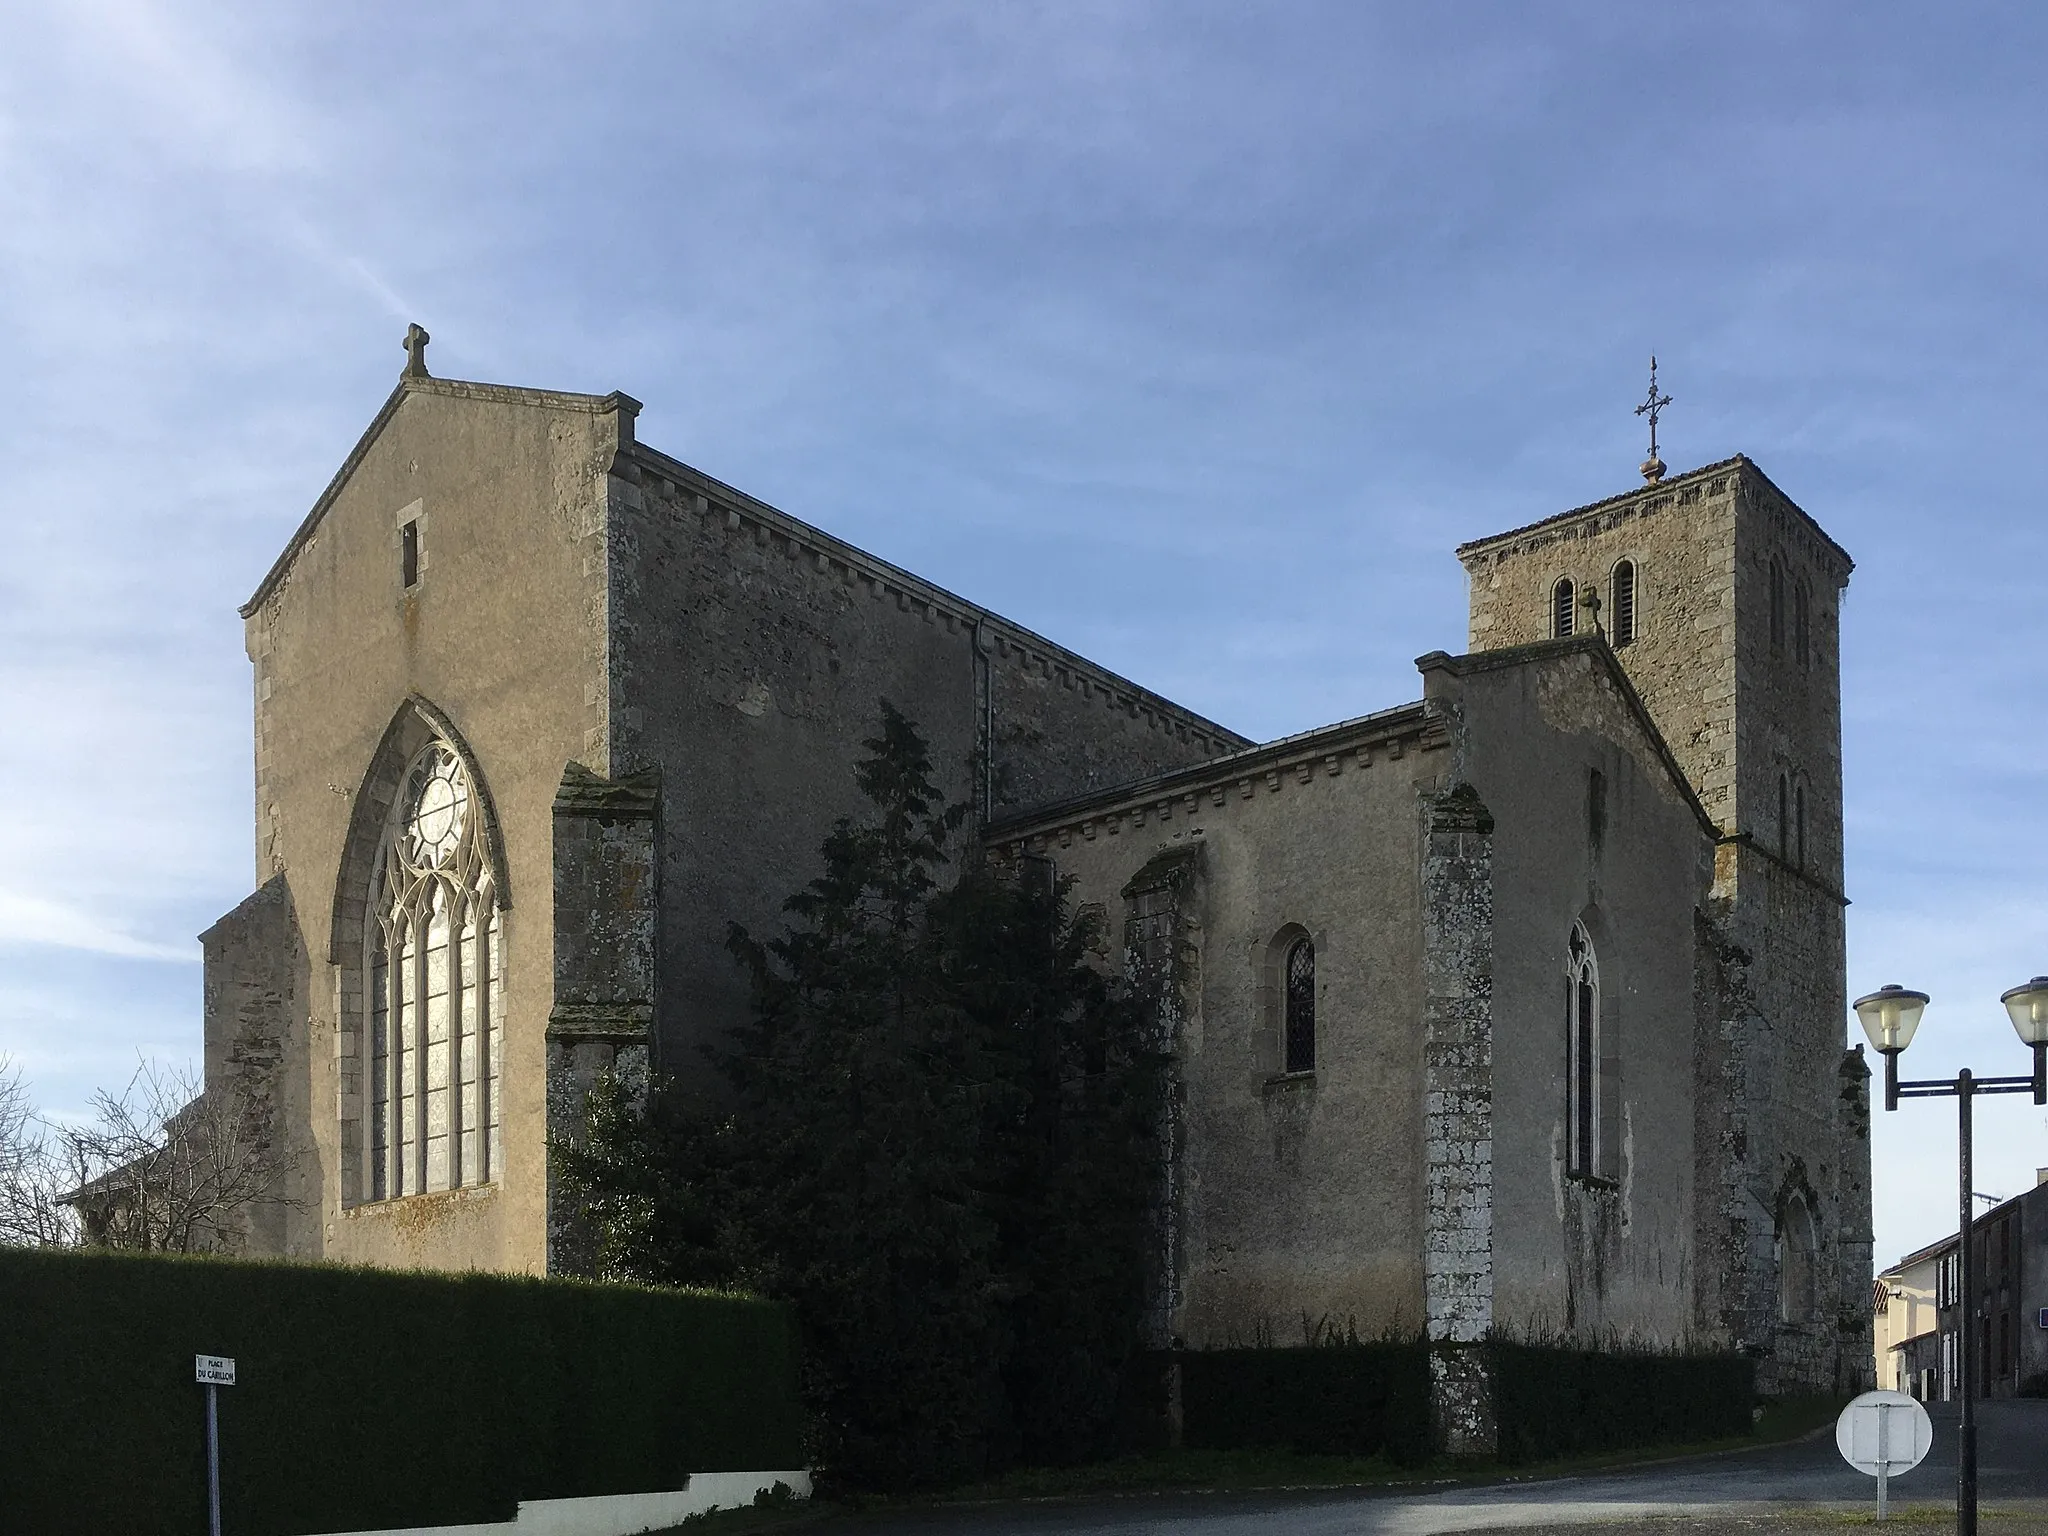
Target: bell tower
x,y
1722,600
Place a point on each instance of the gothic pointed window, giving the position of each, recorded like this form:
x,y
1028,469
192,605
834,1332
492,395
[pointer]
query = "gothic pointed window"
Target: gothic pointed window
x,y
434,974
1301,1006
1777,606
1784,816
1582,1051
1799,823
1802,622
1624,603
1798,1292
1563,607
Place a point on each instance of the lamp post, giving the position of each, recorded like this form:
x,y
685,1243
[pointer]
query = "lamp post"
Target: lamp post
x,y
1889,1016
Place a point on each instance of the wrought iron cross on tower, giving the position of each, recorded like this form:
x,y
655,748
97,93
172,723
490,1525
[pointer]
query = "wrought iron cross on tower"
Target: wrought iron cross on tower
x,y
1653,407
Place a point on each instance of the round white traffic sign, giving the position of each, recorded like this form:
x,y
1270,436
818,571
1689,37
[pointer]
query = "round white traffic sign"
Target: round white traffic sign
x,y
1884,1432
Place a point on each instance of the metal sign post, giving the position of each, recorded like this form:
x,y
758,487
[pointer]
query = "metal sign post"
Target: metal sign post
x,y
1881,1433
213,1372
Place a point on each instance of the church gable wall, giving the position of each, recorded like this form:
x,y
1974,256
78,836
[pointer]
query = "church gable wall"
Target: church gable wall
x,y
1590,828
503,631
750,654
1296,1197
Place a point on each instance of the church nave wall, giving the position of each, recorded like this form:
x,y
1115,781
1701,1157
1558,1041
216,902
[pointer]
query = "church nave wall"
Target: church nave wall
x,y
750,655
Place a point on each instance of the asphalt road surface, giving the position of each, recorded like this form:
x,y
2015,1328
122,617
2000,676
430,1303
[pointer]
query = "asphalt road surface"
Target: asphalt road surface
x,y
1807,1476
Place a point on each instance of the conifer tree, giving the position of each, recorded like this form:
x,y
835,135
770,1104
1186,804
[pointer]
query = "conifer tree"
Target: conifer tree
x,y
938,1145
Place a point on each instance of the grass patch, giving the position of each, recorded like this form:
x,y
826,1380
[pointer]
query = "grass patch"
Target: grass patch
x,y
1793,1418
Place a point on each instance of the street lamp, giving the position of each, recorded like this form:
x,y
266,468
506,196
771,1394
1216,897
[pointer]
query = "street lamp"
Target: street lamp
x,y
1889,1016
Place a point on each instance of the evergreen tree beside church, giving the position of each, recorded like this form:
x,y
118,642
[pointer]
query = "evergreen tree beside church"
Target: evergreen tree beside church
x,y
938,1141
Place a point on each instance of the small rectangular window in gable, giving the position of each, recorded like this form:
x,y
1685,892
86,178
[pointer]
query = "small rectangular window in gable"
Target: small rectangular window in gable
x,y
409,553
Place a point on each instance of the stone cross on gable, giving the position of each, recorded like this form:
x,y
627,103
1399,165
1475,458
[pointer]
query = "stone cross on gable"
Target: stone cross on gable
x,y
1653,407
416,340
1591,603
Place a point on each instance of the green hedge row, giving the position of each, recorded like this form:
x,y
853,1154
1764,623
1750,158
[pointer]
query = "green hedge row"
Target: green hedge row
x,y
1324,1399
367,1399
1374,1398
1553,1401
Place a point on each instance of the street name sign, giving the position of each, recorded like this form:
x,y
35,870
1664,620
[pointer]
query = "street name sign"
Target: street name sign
x,y
214,1370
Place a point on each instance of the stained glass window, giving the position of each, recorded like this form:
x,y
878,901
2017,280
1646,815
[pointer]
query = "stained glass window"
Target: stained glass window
x,y
435,971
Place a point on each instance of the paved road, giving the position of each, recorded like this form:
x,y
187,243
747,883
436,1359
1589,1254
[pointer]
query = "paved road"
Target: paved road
x,y
2012,1459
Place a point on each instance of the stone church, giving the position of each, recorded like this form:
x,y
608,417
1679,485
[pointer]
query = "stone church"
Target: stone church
x,y
1517,1006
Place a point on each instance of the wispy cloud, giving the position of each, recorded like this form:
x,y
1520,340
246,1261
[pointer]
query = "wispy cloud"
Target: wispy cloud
x,y
1193,334
27,920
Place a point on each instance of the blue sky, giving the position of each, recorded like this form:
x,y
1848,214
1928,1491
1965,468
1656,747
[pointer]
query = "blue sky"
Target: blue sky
x,y
1193,334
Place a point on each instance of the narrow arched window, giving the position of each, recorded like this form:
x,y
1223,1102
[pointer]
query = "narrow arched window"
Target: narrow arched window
x,y
1802,631
1301,1006
1784,817
1582,1050
1799,823
1563,607
434,969
1777,606
1798,1293
1624,603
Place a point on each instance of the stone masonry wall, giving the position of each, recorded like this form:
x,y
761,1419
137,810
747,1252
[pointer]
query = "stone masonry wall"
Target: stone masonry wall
x,y
1298,1197
1743,711
502,638
1458,1134
607,913
750,653
255,977
1593,829
1162,946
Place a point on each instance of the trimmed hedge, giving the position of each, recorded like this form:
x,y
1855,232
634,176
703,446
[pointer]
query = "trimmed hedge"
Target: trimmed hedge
x,y
367,1399
1369,1399
1323,1399
1553,1401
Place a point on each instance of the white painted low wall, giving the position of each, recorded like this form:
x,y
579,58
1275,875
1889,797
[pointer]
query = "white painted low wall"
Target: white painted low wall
x,y
622,1514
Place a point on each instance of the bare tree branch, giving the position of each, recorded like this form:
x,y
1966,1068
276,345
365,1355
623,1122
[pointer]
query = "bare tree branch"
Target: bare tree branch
x,y
168,1164
32,1174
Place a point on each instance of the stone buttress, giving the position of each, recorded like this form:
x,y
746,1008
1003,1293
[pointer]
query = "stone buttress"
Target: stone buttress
x,y
606,907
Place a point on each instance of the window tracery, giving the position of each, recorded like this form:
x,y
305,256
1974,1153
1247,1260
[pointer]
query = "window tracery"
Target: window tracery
x,y
1300,1006
434,972
1582,1026
1798,1291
